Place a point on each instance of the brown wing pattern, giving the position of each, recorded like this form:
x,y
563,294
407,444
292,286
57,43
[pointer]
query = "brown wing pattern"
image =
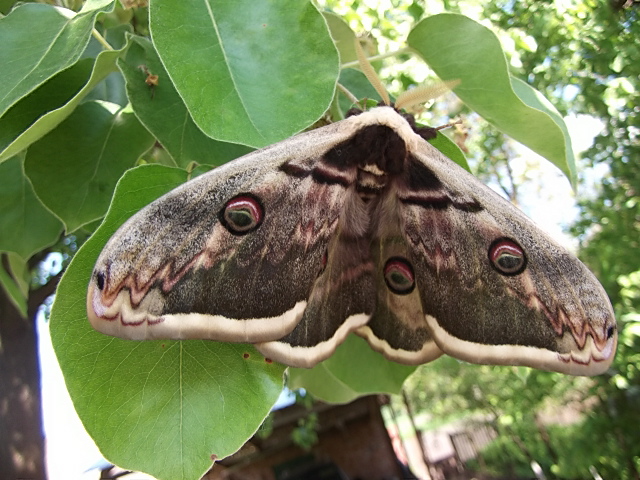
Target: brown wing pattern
x,y
192,265
397,328
495,289
359,226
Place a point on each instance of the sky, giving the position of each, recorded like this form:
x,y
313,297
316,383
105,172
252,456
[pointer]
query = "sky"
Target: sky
x,y
72,454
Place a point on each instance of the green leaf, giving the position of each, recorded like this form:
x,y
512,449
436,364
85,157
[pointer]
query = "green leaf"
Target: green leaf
x,y
321,384
38,41
21,118
456,47
356,364
26,226
163,112
534,98
448,148
19,270
343,37
12,289
92,148
49,96
357,83
6,5
249,72
111,88
161,407
353,370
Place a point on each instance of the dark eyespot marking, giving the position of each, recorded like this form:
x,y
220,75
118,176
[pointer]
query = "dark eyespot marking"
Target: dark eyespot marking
x,y
245,355
242,214
507,257
100,281
399,276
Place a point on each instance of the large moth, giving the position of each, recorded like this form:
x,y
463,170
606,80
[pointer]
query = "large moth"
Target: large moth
x,y
359,226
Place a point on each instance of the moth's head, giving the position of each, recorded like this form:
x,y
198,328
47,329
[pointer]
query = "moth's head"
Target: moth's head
x,y
410,98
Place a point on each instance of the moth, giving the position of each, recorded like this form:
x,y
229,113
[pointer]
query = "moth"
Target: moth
x,y
359,226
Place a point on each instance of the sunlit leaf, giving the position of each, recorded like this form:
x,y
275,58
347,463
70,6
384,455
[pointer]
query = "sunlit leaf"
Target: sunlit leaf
x,y
162,111
40,112
26,226
353,370
93,147
249,72
458,48
167,408
40,40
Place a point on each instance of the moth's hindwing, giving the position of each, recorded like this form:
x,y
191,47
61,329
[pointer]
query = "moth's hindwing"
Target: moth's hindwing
x,y
397,328
360,226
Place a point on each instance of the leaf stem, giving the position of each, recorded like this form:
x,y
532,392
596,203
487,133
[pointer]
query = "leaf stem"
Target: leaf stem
x,y
347,93
101,39
381,56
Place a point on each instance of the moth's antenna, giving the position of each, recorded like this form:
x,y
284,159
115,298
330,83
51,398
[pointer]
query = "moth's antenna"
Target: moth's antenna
x,y
424,93
371,74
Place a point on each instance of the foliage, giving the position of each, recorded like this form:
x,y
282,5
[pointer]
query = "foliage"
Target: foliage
x,y
305,433
584,55
604,67
105,89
